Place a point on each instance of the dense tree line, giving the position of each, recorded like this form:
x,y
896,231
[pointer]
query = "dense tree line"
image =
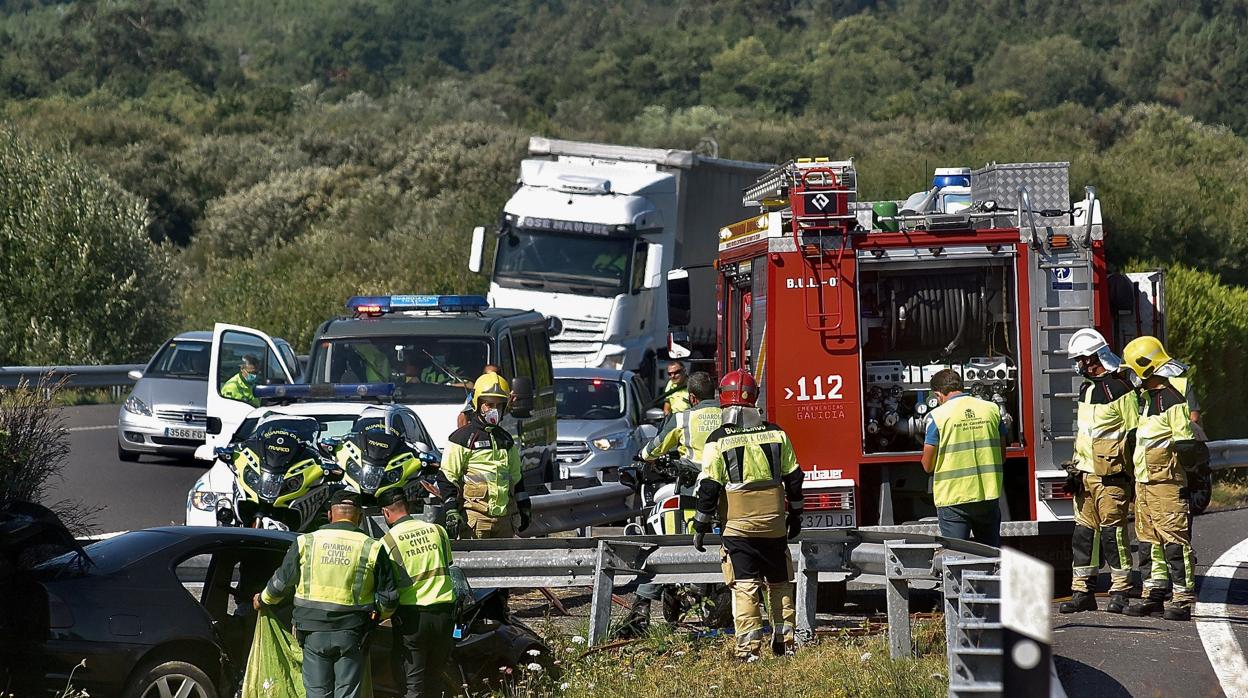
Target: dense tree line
x,y
261,161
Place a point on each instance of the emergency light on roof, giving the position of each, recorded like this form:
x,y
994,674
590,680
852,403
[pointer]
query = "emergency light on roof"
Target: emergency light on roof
x,y
379,305
297,391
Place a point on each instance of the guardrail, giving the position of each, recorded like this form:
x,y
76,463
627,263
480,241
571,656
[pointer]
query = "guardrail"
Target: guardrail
x,y
75,376
577,509
1229,453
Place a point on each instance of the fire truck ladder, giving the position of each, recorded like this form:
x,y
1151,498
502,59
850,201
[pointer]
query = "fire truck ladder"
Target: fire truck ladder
x,y
817,192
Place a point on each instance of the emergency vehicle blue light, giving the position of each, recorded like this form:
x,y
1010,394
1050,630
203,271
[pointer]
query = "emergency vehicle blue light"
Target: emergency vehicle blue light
x,y
378,305
323,391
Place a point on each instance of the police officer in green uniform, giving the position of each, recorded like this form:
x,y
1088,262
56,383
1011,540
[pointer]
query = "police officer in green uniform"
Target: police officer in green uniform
x,y
342,585
684,432
749,469
963,452
675,395
240,385
421,555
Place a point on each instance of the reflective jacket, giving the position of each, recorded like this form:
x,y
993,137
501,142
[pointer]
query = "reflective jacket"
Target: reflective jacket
x,y
421,554
686,432
336,579
237,389
747,473
968,453
1108,410
484,462
1165,420
676,397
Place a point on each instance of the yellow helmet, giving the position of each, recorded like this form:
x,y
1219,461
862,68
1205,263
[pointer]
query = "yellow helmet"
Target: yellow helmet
x,y
1145,355
489,385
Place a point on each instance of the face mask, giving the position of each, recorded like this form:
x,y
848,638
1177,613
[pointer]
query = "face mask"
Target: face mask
x,y
250,378
491,415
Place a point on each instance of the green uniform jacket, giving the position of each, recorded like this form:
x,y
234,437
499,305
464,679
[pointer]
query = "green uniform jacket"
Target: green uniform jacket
x,y
237,389
1108,410
482,460
676,397
753,470
286,580
686,432
1166,419
421,554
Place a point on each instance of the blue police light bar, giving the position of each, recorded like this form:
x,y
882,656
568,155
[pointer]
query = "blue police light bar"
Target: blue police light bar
x,y
380,305
323,391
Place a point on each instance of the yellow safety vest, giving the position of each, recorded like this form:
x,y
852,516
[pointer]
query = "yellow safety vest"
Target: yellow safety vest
x,y
1165,419
677,399
486,464
689,432
968,455
337,570
1107,411
237,389
749,463
421,553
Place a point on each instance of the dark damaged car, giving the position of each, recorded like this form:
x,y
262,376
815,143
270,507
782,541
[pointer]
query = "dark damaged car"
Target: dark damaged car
x,y
167,611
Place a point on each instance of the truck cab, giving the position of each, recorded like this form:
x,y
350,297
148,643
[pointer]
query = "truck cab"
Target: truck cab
x,y
432,348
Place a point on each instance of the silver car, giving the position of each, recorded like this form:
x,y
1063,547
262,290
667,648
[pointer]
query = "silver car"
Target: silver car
x,y
602,421
165,414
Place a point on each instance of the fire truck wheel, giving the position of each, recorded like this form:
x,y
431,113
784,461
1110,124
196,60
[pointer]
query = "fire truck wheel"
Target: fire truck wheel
x,y
831,597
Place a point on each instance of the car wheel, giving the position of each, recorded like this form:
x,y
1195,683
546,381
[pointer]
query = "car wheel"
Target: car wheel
x,y
126,456
169,680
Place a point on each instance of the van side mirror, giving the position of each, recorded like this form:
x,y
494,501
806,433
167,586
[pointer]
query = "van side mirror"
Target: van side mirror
x,y
522,397
654,266
477,249
213,426
679,301
678,346
655,415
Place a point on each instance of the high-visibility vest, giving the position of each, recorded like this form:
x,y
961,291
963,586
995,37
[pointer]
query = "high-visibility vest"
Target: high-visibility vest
x,y
485,462
968,455
750,464
337,570
677,398
1107,410
421,553
1164,420
688,433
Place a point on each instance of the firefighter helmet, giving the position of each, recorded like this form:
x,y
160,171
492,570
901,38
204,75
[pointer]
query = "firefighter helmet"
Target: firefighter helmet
x,y
738,389
490,385
1145,355
1085,342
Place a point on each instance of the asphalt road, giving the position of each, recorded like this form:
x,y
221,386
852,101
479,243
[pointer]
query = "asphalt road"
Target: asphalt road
x,y
151,492
1097,654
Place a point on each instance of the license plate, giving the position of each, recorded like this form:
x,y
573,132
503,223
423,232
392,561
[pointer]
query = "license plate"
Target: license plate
x,y
828,519
192,434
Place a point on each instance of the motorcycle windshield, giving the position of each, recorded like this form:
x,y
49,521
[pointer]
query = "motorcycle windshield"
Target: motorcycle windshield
x,y
370,478
270,484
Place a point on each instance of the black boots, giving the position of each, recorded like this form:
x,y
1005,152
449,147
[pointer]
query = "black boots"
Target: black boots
x,y
1177,613
1146,607
638,620
1117,602
1079,601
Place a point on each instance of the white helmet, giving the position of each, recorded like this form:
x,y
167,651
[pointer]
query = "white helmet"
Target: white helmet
x,y
1089,342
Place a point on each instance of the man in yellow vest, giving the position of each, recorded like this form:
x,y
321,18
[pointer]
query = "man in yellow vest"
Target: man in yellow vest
x,y
421,555
676,393
1165,450
963,451
241,385
1099,476
684,432
342,585
749,469
482,459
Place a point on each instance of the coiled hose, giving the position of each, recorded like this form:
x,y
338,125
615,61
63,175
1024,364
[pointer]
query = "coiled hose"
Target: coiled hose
x,y
938,313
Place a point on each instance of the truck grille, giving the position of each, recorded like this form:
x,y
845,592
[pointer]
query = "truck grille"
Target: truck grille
x,y
571,452
842,499
580,340
196,417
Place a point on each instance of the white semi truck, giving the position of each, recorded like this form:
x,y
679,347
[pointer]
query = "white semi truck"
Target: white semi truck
x,y
590,234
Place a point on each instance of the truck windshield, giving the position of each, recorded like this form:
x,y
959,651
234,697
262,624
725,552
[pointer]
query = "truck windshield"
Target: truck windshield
x,y
584,264
423,369
589,398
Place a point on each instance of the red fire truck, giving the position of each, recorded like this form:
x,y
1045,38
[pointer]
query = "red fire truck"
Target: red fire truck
x,y
844,310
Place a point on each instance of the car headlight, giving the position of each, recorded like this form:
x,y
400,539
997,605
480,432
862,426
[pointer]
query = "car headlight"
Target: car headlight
x,y
204,500
612,441
134,405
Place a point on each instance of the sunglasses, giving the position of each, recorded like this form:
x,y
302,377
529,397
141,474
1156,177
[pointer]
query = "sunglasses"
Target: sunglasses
x,y
675,373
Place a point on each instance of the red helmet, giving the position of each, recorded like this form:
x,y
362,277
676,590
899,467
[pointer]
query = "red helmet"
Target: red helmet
x,y
738,389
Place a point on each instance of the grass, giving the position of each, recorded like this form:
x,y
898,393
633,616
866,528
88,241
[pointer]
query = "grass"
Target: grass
x,y
1228,494
664,663
72,397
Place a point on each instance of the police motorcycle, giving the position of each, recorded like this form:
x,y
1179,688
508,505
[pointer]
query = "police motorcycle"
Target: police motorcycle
x,y
376,456
667,490
281,480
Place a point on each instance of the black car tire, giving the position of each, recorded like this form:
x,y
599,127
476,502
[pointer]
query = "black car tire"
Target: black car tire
x,y
173,674
126,456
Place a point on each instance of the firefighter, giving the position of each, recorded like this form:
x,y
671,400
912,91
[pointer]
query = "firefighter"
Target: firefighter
x,y
1165,449
342,586
684,432
748,471
423,624
1099,476
675,395
963,451
482,460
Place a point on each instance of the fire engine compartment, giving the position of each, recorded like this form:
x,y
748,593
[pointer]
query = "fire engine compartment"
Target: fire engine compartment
x,y
919,316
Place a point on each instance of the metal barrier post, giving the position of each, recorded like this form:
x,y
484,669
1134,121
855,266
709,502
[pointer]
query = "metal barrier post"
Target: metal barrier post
x,y
902,563
600,606
807,592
